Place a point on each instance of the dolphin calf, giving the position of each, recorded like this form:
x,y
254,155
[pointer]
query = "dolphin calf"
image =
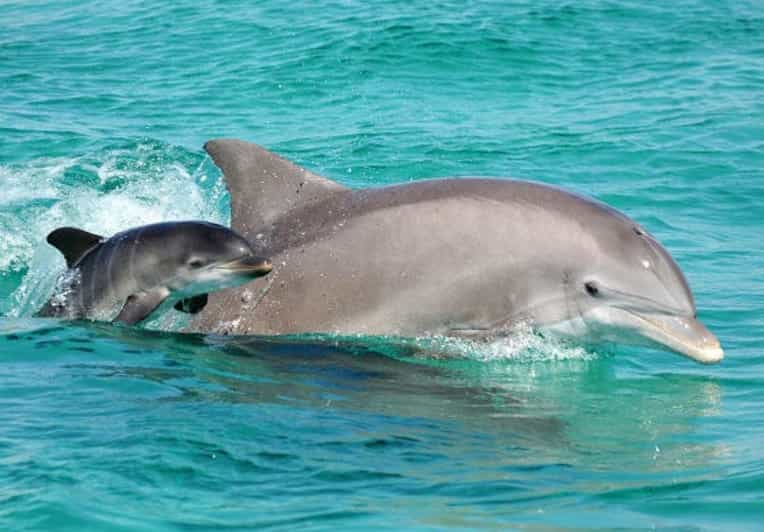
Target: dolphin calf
x,y
467,256
126,277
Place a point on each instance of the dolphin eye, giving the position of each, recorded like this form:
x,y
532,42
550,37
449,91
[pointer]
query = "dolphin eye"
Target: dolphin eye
x,y
196,263
638,231
591,288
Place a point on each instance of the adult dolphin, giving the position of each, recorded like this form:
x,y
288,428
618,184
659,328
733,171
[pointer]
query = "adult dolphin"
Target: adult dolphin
x,y
444,257
128,276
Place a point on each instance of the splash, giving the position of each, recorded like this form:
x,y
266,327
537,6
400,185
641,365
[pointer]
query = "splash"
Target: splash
x,y
522,343
104,193
66,284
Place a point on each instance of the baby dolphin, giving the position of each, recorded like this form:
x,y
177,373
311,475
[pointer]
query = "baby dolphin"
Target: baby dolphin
x,y
130,274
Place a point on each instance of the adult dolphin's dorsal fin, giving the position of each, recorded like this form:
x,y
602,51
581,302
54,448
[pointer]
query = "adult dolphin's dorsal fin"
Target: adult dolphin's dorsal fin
x,y
73,243
264,186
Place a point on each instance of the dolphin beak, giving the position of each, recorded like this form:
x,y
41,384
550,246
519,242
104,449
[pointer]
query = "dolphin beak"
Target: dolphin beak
x,y
250,266
682,334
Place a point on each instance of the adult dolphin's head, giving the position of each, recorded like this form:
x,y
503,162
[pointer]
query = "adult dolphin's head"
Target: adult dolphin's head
x,y
626,288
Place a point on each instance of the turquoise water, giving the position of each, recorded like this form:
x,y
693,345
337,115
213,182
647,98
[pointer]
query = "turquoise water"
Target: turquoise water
x,y
104,107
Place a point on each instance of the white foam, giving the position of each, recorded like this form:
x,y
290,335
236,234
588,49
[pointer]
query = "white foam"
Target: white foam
x,y
521,344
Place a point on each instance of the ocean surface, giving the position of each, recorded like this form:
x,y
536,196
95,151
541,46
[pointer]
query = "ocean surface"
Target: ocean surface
x,y
655,108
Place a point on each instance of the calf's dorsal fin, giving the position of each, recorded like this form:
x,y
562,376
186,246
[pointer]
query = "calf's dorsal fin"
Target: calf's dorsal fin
x,y
73,243
263,185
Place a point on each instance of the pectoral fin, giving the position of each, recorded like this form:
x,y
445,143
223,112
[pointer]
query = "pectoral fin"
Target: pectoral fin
x,y
192,305
139,306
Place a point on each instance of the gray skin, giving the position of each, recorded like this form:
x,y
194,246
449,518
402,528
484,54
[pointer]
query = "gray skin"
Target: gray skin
x,y
128,276
467,257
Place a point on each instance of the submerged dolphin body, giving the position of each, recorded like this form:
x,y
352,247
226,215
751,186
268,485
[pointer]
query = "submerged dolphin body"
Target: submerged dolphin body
x,y
445,257
130,274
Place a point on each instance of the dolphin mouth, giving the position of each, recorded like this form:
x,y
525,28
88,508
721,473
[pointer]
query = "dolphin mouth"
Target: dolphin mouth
x,y
682,334
250,265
